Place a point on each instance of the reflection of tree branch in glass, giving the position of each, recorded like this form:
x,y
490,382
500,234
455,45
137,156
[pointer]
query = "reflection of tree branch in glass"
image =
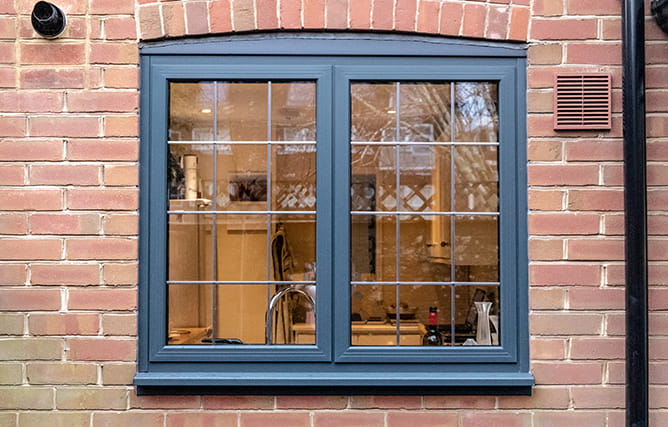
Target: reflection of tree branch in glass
x,y
248,188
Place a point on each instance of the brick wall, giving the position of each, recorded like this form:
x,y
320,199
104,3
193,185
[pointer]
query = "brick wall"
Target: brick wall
x,y
68,216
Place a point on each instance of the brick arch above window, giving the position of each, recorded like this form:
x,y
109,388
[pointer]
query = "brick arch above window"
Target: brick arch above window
x,y
497,20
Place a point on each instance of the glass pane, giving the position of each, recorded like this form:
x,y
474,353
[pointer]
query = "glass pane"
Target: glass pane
x,y
418,263
373,112
470,329
293,178
477,249
293,247
476,179
425,178
241,177
191,111
190,313
424,112
373,248
242,247
373,180
242,111
371,306
293,111
418,301
190,246
476,112
190,174
293,314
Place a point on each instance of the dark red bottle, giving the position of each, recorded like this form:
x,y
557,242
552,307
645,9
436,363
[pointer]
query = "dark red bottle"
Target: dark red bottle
x,y
433,336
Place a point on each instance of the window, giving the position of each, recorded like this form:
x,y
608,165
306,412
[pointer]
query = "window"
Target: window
x,y
329,212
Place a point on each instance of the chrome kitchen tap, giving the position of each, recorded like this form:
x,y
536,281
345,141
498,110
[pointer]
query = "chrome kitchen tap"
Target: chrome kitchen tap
x,y
269,324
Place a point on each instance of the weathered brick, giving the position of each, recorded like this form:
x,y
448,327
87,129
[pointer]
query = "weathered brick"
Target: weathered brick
x,y
197,18
102,299
91,398
497,22
58,78
244,15
107,349
151,22
548,7
428,16
30,349
108,199
63,324
18,397
336,15
173,19
32,249
11,324
61,373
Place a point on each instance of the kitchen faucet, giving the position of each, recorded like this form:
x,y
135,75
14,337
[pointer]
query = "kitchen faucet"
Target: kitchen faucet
x,y
269,325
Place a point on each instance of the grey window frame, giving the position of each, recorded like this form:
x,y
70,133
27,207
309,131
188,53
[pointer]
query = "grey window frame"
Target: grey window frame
x,y
332,365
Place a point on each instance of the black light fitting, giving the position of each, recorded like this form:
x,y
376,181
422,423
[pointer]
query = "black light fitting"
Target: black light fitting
x,y
660,13
48,20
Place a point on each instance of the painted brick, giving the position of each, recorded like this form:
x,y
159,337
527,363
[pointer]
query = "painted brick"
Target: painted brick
x,y
11,324
102,150
290,14
541,398
238,402
61,373
548,349
32,249
220,15
596,200
30,349
244,15
482,419
197,18
118,373
459,402
564,274
129,418
423,419
596,298
13,223
107,349
566,323
598,397
119,324
91,398
11,373
120,274
382,15
61,126
451,18
53,53
63,324
563,174
121,126
12,126
347,419
26,398
563,223
12,274
596,249
64,274
314,14
311,402
108,199
107,248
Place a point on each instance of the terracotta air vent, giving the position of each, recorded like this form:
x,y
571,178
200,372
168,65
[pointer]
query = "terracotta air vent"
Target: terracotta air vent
x,y
582,101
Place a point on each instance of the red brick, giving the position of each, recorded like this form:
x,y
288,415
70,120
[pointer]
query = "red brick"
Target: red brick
x,y
451,18
30,249
519,23
423,419
615,324
336,14
16,200
60,78
7,27
118,373
16,299
551,200
199,419
347,419
120,224
121,175
28,398
111,7
548,349
459,402
12,126
497,25
102,349
428,19
570,418
596,249
385,402
12,274
14,349
657,200
596,200
121,126
164,402
596,298
106,248
12,174
113,53
64,174
13,223
120,28
243,12
64,274
7,77
53,53
267,16
593,150
482,419
311,402
119,324
61,373
597,348
120,274
108,199
30,102
102,101
360,14
64,126
121,77
568,324
546,250
131,418
238,402
67,223
150,22
601,7
88,397
474,20
293,419
564,29
23,150
382,15
563,174
658,300
565,274
173,19
594,53
541,398
63,324
290,14
598,397
101,150
7,6
547,299
564,223
116,299
404,15
197,18
548,8
7,53
220,16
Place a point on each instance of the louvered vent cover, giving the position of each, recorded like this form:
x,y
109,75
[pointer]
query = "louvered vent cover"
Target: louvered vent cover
x,y
582,101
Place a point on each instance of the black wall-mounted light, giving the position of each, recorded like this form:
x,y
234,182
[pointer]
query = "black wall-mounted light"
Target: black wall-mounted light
x,y
48,20
660,12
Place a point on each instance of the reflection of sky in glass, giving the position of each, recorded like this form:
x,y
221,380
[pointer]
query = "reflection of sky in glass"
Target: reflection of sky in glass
x,y
476,111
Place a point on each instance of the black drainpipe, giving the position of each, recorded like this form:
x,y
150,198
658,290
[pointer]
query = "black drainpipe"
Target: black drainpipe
x,y
635,213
